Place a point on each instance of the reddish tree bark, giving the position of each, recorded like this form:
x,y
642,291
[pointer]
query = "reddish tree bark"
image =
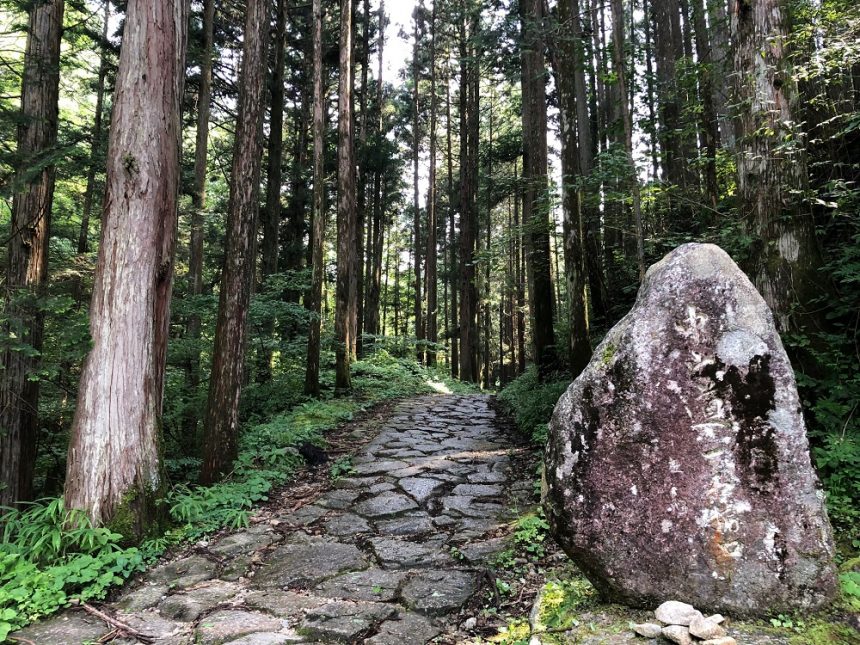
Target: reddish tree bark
x,y
347,285
221,423
312,369
113,460
28,250
535,198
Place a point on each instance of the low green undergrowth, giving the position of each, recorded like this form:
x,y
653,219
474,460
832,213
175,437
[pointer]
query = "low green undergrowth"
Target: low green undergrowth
x,y
50,557
531,403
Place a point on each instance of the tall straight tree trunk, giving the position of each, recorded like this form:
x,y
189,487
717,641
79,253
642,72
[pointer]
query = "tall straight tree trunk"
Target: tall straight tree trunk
x,y
221,423
487,269
627,121
521,283
27,267
96,143
113,459
361,197
586,123
416,147
772,170
535,200
371,312
345,310
718,28
432,290
710,134
649,88
468,216
452,235
198,206
573,114
312,369
292,242
272,211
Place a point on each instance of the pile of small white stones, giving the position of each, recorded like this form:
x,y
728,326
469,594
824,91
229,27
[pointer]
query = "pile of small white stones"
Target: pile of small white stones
x,y
684,624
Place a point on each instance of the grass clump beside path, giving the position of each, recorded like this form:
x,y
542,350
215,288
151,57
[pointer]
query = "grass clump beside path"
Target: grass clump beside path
x,y
45,565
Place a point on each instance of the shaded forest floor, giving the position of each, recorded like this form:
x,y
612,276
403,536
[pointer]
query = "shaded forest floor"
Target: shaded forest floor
x,y
422,526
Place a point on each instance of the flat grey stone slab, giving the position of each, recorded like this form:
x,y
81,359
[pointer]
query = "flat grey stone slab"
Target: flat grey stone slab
x,y
420,488
305,515
307,563
477,490
144,597
346,524
71,628
340,498
268,638
283,604
439,592
372,585
163,630
228,625
408,627
400,554
480,552
344,621
385,504
183,572
378,467
188,606
406,525
243,542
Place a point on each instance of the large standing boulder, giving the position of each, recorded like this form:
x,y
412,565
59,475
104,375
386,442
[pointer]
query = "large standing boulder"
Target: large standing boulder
x,y
677,464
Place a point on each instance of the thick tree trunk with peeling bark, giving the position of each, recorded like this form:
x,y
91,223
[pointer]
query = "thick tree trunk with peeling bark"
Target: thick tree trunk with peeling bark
x,y
535,181
312,369
771,160
28,250
113,461
346,292
221,423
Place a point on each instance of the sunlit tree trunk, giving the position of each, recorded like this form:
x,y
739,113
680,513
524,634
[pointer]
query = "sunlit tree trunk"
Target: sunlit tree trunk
x,y
221,422
27,267
710,134
432,291
772,170
416,147
627,123
371,312
312,371
346,210
535,181
113,459
572,113
452,234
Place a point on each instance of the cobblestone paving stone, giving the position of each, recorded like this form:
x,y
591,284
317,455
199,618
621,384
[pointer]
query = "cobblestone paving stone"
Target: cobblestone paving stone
x,y
369,562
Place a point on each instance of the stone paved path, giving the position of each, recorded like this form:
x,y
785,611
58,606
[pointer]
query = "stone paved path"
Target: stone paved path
x,y
389,555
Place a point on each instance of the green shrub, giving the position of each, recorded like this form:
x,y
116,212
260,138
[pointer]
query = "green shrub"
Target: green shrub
x,y
50,556
532,402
